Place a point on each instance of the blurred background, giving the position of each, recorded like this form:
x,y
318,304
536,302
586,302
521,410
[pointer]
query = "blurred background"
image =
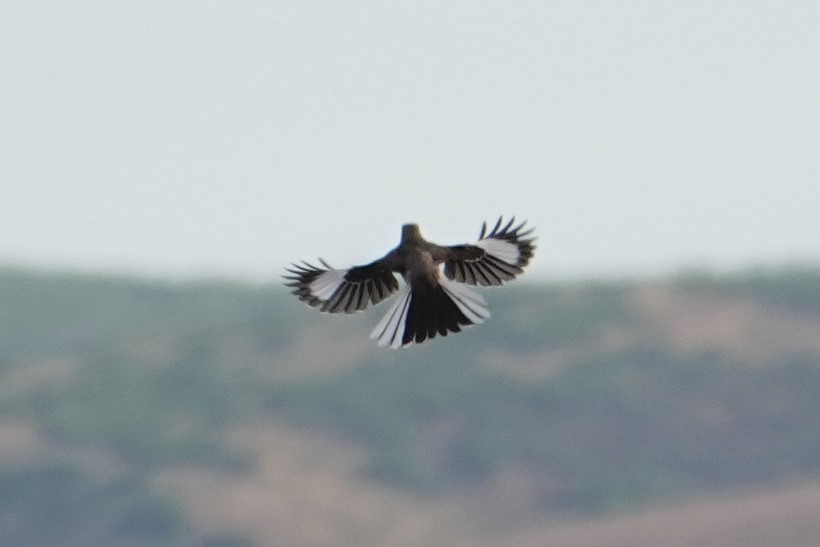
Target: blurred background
x,y
653,379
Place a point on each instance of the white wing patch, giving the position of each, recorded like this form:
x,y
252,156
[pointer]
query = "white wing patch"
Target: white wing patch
x,y
390,329
327,283
500,249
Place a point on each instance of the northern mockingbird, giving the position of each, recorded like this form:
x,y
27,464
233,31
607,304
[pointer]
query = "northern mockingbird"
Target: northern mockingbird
x,y
428,303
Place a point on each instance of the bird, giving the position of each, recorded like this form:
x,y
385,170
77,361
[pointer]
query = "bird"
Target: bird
x,y
431,301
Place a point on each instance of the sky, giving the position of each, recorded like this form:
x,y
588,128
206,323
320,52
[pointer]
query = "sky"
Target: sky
x,y
206,138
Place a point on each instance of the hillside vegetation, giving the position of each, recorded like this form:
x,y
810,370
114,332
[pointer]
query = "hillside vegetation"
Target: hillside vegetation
x,y
213,414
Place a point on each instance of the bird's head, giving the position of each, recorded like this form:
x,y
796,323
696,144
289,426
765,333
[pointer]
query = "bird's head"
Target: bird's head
x,y
410,232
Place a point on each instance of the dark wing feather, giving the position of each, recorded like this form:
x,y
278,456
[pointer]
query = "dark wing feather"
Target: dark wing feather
x,y
341,291
496,257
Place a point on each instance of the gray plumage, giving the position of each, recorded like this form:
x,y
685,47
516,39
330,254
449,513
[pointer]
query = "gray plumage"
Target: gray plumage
x,y
429,303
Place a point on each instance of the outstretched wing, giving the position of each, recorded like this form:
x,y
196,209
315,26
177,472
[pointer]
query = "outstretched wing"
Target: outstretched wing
x,y
341,291
497,256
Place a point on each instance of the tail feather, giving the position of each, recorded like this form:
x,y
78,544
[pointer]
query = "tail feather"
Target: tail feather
x,y
422,311
471,304
389,330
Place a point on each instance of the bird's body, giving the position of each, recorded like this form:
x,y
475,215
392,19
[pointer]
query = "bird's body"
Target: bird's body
x,y
429,303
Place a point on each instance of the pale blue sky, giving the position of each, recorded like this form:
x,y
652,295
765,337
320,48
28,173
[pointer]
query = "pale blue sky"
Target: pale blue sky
x,y
229,138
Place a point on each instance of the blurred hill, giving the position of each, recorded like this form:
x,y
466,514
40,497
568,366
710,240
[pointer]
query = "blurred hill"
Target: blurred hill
x,y
138,412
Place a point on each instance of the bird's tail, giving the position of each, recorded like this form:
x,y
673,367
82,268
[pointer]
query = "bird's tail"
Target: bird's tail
x,y
423,310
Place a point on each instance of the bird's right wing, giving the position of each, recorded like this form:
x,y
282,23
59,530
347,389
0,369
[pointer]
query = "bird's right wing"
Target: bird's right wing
x,y
341,291
496,257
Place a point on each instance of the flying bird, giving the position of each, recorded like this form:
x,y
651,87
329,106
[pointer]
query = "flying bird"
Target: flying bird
x,y
428,303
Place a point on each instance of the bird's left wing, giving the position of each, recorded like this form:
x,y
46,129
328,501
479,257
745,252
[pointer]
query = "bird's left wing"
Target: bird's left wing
x,y
341,291
496,257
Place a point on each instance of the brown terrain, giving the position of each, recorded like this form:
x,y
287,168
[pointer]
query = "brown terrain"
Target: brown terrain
x,y
307,488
